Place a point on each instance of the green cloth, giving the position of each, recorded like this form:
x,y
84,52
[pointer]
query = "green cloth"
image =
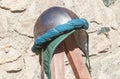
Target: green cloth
x,y
49,50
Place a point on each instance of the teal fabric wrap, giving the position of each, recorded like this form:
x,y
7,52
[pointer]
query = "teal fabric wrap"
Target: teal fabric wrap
x,y
58,30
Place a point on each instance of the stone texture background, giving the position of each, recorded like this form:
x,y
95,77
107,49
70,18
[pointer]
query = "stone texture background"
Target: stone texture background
x,y
17,19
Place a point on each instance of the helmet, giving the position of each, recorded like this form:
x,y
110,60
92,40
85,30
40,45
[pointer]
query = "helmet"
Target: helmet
x,y
52,17
55,16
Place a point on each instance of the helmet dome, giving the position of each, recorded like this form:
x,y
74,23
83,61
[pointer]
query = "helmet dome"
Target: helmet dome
x,y
52,17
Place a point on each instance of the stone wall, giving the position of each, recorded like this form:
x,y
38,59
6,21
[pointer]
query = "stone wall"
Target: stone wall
x,y
16,36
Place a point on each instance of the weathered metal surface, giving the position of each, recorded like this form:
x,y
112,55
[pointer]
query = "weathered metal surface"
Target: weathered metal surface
x,y
52,17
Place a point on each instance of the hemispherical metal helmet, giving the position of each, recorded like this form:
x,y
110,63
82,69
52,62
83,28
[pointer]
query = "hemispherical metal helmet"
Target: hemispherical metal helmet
x,y
52,17
55,16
